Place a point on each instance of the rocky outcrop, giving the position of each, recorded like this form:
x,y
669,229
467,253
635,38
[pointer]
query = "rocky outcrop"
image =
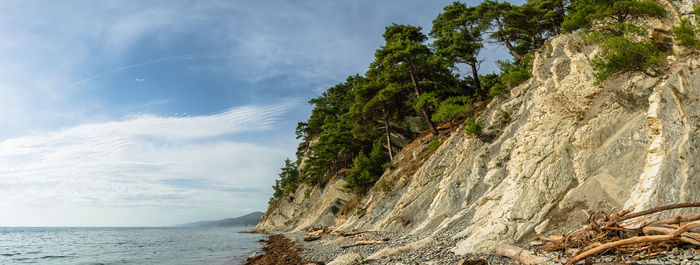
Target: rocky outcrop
x,y
307,207
569,149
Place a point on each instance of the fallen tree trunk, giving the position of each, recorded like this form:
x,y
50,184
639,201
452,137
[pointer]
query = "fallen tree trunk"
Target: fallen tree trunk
x,y
363,243
312,238
344,234
519,254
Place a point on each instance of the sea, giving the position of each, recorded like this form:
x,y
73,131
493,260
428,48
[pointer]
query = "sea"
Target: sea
x,y
162,245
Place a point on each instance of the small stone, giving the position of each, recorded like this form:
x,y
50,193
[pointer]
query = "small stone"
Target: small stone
x,y
675,251
675,261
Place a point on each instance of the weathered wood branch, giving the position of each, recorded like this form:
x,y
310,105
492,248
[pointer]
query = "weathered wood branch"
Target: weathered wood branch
x,y
312,238
675,235
678,219
628,241
654,210
519,254
363,243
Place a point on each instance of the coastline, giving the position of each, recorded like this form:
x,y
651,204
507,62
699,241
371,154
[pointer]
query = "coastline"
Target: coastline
x,y
278,249
291,248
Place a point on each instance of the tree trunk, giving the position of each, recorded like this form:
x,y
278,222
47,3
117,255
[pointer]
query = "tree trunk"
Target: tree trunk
x,y
388,133
506,40
533,40
424,109
554,26
477,82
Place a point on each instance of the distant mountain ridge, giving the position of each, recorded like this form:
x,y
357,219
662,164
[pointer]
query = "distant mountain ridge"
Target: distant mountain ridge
x,y
245,220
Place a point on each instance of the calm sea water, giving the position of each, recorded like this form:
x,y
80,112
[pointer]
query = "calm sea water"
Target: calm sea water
x,y
126,245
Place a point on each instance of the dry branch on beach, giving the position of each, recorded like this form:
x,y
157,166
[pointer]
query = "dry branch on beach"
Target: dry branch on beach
x,y
519,254
366,242
618,233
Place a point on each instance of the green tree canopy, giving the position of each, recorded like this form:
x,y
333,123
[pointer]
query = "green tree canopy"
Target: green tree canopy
x,y
406,60
457,32
613,15
493,14
289,179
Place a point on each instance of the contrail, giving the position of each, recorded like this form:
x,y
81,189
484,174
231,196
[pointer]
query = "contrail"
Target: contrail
x,y
182,57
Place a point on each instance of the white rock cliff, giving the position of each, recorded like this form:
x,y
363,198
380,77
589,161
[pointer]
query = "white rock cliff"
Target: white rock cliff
x,y
569,148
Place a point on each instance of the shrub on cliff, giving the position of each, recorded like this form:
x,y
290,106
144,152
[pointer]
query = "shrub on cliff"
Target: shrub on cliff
x,y
621,54
452,109
609,16
687,33
474,127
625,44
512,75
289,178
366,170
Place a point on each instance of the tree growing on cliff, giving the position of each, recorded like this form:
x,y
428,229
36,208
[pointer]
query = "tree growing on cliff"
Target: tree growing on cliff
x,y
625,45
452,109
366,170
457,32
289,179
377,100
687,33
551,13
612,16
406,59
335,146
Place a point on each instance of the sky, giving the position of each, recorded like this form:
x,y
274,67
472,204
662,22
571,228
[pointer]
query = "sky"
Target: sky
x,y
154,113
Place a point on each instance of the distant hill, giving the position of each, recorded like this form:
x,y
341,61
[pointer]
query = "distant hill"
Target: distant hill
x,y
245,220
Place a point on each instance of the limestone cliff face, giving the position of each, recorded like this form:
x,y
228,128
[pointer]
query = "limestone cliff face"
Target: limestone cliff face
x,y
569,148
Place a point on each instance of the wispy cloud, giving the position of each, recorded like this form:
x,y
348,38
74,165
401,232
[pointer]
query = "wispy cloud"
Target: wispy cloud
x,y
181,57
144,161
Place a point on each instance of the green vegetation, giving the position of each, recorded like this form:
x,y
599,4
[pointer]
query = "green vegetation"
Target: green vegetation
x,y
626,45
505,117
354,124
434,143
687,33
452,108
610,16
621,54
288,181
474,127
366,170
512,74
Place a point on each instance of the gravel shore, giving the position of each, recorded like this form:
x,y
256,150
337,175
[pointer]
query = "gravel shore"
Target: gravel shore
x,y
290,248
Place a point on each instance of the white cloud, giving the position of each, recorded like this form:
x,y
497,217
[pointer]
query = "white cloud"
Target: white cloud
x,y
145,162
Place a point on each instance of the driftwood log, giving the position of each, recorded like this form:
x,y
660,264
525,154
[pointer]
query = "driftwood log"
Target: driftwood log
x,y
675,235
365,242
634,234
519,254
312,238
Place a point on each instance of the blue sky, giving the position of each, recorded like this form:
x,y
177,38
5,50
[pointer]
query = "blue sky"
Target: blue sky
x,y
150,113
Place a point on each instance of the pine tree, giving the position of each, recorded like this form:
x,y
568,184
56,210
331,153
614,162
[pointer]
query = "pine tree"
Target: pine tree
x,y
404,54
457,32
493,14
613,15
376,99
